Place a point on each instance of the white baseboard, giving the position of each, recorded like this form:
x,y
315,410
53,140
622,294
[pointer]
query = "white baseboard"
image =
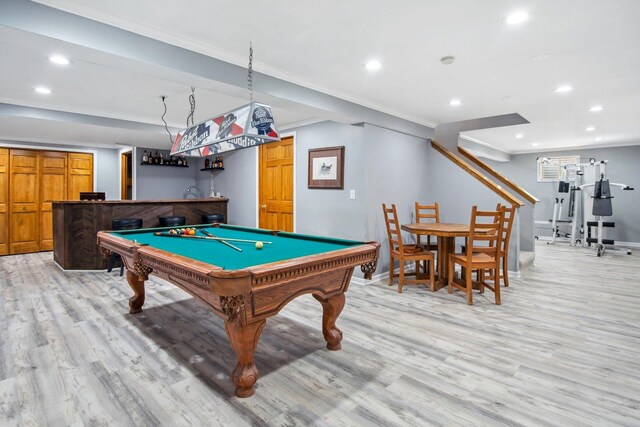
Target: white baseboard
x,y
378,277
563,240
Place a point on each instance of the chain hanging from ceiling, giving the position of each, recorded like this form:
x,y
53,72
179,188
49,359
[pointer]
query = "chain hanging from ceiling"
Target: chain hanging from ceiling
x,y
192,104
243,127
166,126
250,73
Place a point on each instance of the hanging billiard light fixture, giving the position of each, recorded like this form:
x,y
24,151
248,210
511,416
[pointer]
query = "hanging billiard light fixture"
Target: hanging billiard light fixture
x,y
244,127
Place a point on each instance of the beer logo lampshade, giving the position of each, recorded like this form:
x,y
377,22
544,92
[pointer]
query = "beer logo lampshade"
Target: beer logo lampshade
x,y
244,127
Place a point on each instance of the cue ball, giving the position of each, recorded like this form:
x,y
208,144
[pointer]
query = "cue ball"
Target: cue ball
x,y
259,245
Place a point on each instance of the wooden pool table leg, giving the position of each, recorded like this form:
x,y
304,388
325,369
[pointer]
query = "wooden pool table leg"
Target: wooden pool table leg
x,y
244,340
331,309
137,285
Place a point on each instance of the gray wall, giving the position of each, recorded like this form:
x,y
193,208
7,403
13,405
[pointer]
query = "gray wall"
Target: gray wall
x,y
396,170
622,168
456,191
237,182
331,212
107,165
162,182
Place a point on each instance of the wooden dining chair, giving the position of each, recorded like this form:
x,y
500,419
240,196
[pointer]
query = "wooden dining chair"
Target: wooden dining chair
x,y
427,213
405,253
503,250
481,253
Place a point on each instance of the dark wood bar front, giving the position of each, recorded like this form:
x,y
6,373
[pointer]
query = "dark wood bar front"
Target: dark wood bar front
x,y
76,224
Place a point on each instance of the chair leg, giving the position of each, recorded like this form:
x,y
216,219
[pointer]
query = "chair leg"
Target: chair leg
x,y
496,284
112,258
401,277
391,274
450,276
505,269
469,286
121,270
480,275
432,275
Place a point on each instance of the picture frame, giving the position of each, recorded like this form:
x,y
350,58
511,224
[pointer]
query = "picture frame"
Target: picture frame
x,y
326,168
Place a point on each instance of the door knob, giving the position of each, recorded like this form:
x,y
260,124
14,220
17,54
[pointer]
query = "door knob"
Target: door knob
x,y
263,207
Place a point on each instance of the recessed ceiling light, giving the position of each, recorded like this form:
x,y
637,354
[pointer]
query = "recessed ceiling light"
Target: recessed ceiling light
x,y
534,144
598,138
596,108
43,90
564,89
58,59
455,102
590,129
373,65
446,60
517,17
519,135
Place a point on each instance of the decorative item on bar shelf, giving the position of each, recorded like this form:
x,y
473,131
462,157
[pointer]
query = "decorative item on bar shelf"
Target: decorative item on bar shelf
x,y
247,126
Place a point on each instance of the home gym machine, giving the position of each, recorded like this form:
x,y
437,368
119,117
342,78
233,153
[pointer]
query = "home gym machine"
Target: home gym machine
x,y
572,180
602,208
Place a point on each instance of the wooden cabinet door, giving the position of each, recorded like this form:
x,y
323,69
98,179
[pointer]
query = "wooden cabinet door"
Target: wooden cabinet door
x,y
80,174
24,202
53,186
276,185
4,201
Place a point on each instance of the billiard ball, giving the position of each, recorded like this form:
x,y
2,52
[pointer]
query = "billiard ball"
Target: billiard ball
x,y
259,245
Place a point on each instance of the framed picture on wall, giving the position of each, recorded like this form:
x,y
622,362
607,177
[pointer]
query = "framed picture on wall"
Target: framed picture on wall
x,y
326,167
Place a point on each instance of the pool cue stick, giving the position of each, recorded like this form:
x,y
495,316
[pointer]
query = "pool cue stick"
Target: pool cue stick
x,y
211,238
205,232
197,237
237,240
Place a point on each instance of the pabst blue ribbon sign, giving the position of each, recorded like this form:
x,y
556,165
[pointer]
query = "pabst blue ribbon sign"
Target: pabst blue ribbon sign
x,y
247,126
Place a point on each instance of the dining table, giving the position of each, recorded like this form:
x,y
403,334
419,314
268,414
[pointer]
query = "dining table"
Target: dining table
x,y
446,234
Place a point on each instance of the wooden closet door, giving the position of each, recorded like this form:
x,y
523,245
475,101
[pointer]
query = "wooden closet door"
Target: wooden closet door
x,y
24,202
80,174
4,201
53,186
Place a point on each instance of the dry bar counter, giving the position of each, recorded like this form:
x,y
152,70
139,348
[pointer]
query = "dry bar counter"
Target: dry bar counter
x,y
76,224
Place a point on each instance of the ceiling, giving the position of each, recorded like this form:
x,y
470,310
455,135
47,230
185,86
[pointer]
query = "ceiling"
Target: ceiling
x,y
315,53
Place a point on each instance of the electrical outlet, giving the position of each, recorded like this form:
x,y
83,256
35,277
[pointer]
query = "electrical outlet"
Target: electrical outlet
x,y
352,194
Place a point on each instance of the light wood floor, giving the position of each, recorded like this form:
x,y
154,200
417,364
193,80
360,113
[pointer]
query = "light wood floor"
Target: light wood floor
x,y
563,349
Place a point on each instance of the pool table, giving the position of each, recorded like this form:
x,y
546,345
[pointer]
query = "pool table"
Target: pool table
x,y
244,287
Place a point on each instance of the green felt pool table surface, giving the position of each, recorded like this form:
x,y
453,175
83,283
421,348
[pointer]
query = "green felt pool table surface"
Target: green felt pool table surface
x,y
283,245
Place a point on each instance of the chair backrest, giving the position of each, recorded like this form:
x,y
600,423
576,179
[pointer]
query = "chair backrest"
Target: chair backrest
x,y
507,223
485,231
393,227
427,213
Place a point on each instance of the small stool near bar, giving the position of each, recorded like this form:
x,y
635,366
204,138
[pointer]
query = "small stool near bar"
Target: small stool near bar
x,y
122,224
213,219
172,221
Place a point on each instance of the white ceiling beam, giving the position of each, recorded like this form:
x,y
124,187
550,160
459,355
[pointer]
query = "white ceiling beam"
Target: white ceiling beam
x,y
54,23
